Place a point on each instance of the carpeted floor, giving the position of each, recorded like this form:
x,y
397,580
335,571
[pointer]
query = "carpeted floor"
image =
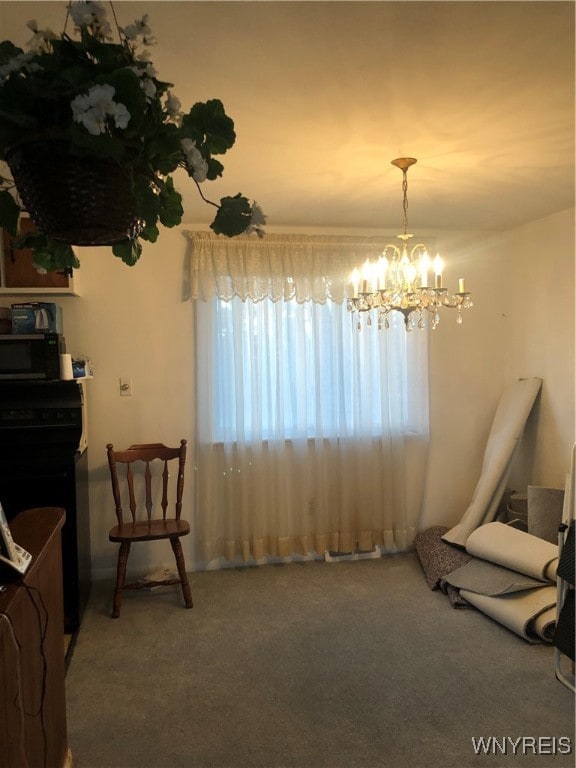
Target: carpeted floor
x,y
317,665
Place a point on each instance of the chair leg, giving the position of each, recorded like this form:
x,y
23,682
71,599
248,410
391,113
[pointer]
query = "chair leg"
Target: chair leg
x,y
180,564
120,577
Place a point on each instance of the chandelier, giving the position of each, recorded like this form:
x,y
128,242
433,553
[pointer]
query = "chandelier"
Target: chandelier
x,y
405,279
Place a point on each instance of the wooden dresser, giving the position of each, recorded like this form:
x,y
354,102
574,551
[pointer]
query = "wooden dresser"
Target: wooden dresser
x,y
32,673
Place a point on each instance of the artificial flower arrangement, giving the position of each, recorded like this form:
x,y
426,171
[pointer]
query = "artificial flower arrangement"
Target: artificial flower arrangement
x,y
104,103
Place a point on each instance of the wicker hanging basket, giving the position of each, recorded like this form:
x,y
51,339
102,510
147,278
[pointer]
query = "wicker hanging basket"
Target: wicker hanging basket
x,y
74,199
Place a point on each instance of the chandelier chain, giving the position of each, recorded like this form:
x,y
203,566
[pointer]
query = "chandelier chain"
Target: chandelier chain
x,y
405,200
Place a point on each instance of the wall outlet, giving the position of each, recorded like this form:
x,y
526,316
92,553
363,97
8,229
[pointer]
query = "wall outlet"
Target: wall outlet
x,y
125,386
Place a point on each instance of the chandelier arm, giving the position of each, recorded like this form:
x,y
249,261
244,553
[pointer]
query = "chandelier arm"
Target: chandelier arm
x,y
397,252
416,247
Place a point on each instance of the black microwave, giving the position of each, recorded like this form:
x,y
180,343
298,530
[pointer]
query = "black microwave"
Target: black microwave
x,y
31,356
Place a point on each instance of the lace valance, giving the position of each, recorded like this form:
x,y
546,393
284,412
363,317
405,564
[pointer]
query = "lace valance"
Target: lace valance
x,y
300,267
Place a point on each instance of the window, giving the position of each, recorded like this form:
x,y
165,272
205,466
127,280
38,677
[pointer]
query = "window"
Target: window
x,y
282,369
311,435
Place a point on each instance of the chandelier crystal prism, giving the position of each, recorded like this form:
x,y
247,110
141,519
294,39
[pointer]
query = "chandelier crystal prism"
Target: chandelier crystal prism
x,y
404,279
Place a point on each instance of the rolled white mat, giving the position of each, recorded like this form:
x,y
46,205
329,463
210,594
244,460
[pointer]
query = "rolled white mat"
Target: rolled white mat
x,y
530,613
66,372
515,549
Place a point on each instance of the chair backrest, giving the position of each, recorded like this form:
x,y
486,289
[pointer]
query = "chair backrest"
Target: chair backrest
x,y
142,457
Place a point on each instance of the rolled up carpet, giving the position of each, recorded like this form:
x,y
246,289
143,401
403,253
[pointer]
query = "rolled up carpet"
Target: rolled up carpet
x,y
545,512
505,435
511,548
530,613
489,579
436,556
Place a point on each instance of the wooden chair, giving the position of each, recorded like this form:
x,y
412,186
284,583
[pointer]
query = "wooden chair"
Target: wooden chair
x,y
149,528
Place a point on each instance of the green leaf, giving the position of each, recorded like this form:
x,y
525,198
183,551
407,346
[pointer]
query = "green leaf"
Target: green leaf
x,y
22,121
9,213
161,86
129,251
75,77
128,91
19,102
164,150
32,239
171,210
233,217
47,253
210,127
109,55
150,233
43,257
104,145
8,50
63,255
215,169
147,201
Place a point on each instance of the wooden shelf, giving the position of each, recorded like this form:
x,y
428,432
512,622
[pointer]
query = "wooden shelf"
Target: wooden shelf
x,y
19,277
70,291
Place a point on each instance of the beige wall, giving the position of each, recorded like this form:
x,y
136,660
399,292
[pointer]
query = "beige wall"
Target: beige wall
x,y
522,325
137,322
538,261
466,379
132,321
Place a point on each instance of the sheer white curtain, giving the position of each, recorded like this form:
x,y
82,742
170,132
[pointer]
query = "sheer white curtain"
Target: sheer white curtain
x,y
312,435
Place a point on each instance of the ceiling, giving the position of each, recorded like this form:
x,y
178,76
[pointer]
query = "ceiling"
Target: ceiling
x,y
325,94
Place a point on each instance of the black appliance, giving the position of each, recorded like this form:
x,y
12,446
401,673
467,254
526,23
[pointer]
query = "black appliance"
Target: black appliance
x,y
31,356
44,463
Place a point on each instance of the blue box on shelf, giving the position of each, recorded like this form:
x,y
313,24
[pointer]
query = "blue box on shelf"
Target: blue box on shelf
x,y
36,317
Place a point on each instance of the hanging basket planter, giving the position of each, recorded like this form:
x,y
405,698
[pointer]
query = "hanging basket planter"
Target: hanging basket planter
x,y
74,199
92,137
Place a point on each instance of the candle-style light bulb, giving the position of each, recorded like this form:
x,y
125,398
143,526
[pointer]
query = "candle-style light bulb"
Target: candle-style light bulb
x,y
355,279
438,267
365,275
424,266
382,269
410,274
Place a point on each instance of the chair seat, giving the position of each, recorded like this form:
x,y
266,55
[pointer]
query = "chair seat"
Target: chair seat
x,y
144,530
